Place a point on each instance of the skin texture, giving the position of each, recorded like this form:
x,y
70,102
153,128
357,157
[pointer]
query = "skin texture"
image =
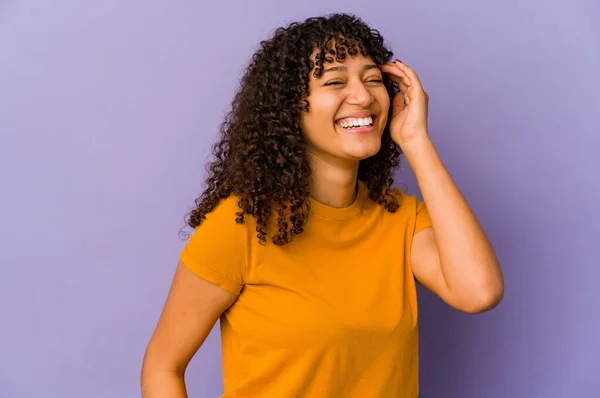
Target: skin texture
x,y
334,154
465,273
191,310
262,154
453,258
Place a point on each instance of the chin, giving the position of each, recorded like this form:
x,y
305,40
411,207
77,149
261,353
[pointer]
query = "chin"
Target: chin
x,y
363,150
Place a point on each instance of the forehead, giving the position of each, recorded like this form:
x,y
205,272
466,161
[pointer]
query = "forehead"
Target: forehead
x,y
335,53
331,51
330,60
353,63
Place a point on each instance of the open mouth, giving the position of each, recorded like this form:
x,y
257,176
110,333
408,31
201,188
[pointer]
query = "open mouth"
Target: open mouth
x,y
352,123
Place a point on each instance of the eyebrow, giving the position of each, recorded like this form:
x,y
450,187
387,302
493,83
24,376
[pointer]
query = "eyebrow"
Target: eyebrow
x,y
343,68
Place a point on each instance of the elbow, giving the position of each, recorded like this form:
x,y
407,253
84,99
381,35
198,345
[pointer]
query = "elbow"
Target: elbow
x,y
158,370
487,293
485,300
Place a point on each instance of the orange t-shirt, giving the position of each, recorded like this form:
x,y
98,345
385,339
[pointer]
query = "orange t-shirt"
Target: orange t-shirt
x,y
331,314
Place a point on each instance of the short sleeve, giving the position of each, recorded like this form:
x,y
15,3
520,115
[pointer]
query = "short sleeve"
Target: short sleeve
x,y
423,221
217,250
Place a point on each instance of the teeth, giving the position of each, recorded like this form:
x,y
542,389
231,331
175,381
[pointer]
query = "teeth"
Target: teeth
x,y
356,122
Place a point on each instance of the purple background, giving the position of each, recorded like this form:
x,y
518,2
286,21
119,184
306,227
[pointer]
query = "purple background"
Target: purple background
x,y
107,113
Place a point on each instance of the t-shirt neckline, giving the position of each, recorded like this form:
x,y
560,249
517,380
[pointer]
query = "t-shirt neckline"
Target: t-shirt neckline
x,y
340,213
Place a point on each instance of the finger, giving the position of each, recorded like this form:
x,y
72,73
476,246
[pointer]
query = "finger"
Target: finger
x,y
392,69
402,88
397,76
400,81
397,80
400,101
414,79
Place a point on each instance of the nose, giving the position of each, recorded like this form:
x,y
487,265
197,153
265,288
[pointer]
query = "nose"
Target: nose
x,y
359,95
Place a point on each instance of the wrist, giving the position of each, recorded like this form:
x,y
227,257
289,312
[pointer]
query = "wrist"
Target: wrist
x,y
416,145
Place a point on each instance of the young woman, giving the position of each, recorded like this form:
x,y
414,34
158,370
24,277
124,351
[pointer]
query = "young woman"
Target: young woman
x,y
301,246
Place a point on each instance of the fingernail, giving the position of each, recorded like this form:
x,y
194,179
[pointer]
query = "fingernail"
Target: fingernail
x,y
397,60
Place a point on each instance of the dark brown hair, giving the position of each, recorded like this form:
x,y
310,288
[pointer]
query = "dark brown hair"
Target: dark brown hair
x,y
260,156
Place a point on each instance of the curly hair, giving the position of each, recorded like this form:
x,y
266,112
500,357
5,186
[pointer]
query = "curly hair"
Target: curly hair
x,y
261,156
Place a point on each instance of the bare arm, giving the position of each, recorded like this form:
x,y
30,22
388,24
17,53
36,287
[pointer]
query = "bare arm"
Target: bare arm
x,y
454,259
190,312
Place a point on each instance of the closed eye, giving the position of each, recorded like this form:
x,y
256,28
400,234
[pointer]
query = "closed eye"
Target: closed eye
x,y
369,81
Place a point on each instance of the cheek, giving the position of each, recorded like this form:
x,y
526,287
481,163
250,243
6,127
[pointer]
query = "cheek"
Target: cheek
x,y
384,100
312,122
325,107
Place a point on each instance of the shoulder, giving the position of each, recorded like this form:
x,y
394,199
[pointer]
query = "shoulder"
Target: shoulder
x,y
219,233
406,202
412,209
218,248
226,208
222,219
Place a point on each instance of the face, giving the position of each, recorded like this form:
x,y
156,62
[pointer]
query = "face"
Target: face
x,y
348,108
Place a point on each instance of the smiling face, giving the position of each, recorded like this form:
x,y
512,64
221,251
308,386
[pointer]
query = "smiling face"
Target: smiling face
x,y
348,109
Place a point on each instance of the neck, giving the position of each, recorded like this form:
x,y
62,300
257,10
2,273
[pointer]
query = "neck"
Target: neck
x,y
333,185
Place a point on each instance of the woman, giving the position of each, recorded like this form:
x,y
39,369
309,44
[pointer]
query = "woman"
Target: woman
x,y
301,247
